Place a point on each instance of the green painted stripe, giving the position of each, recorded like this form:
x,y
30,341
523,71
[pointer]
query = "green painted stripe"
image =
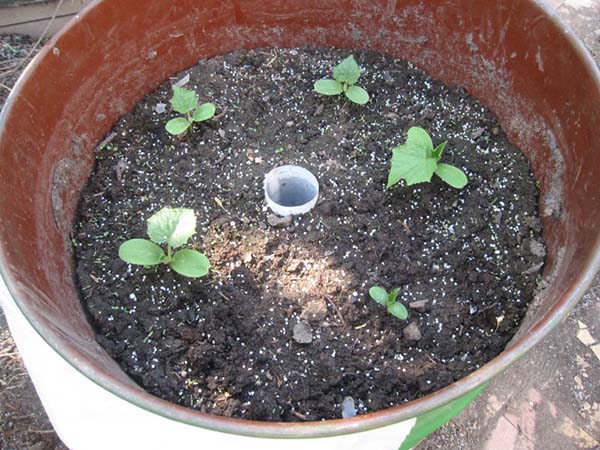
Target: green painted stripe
x,y
427,423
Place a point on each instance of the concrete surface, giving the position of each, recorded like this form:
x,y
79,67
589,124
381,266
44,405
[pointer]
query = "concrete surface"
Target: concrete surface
x,y
548,401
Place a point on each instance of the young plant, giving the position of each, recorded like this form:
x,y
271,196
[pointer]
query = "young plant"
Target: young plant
x,y
345,76
416,161
173,226
186,102
394,307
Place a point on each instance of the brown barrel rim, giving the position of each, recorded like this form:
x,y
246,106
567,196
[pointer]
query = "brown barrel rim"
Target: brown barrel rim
x,y
337,427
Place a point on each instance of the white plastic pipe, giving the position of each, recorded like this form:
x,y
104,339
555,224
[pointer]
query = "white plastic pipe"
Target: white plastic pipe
x,y
291,190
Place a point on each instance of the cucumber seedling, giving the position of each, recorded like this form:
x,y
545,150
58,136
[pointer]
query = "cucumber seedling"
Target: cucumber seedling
x,y
345,77
186,102
173,226
416,161
389,300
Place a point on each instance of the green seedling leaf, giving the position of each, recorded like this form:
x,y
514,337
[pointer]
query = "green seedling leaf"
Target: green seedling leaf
x,y
329,87
177,126
392,296
379,294
357,95
184,100
347,71
416,161
451,175
437,152
204,112
398,310
346,75
141,252
190,263
172,225
410,164
419,138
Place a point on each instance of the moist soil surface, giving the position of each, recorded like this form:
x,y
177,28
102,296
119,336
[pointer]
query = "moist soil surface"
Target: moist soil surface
x,y
225,344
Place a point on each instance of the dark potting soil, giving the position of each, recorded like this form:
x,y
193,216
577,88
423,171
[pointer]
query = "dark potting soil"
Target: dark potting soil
x,y
225,343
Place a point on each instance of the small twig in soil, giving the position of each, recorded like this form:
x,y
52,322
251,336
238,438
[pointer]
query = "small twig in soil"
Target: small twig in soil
x,y
220,160
487,307
533,269
338,312
224,296
6,71
221,114
6,87
8,405
31,430
299,415
107,140
220,204
272,60
149,335
354,344
406,227
9,62
21,417
431,359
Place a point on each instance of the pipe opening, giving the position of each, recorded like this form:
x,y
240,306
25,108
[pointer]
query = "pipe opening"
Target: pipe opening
x,y
291,190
